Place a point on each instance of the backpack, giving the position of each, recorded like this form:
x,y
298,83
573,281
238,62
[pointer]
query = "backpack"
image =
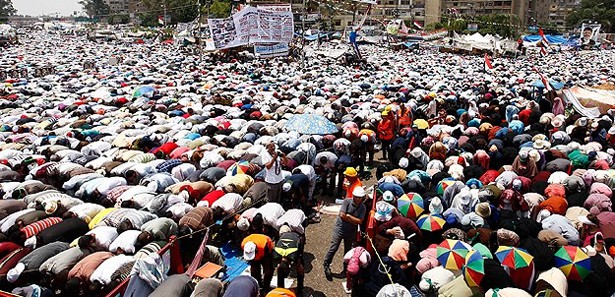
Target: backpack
x,y
354,264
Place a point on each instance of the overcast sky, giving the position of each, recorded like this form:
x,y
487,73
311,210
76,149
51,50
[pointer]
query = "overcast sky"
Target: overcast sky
x,y
45,7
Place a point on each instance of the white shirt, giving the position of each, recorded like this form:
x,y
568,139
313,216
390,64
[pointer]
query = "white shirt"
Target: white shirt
x,y
271,211
104,235
229,202
125,241
109,184
309,171
103,273
86,211
271,176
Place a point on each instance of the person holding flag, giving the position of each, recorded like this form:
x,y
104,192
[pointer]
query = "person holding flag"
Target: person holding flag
x,y
488,64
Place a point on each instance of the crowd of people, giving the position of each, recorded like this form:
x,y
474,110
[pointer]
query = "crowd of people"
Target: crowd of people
x,y
101,167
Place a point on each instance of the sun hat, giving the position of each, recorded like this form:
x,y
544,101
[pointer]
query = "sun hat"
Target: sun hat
x,y
359,192
350,172
249,251
483,209
388,196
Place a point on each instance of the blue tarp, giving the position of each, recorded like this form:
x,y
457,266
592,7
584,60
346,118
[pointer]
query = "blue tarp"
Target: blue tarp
x,y
556,84
554,39
234,262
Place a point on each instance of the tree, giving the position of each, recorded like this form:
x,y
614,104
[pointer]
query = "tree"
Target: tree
x,y
95,8
6,9
602,11
180,11
220,9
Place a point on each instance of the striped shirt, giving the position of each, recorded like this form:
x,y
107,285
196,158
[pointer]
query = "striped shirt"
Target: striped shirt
x,y
294,218
116,192
168,165
136,217
39,226
143,158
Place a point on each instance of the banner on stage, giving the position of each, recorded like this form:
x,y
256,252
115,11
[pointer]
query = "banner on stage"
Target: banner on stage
x,y
252,25
271,51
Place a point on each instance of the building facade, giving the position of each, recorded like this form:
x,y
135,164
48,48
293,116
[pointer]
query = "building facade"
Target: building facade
x,y
551,13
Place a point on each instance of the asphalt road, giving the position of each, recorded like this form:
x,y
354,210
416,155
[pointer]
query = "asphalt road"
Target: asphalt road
x,y
318,238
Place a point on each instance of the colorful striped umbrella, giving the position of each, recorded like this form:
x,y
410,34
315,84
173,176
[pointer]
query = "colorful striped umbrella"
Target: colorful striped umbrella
x,y
411,205
452,253
513,258
443,184
573,262
429,222
240,167
474,269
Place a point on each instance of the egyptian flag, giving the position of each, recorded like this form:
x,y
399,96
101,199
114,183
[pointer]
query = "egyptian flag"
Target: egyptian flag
x,y
161,19
545,42
416,24
488,64
545,80
543,50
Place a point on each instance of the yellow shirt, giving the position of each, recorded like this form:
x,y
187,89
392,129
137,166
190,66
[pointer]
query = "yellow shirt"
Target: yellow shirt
x,y
100,216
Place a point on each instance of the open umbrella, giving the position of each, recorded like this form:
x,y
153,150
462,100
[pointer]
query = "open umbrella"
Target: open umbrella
x,y
240,167
573,262
513,258
452,253
311,124
421,123
410,205
142,91
429,222
474,269
443,184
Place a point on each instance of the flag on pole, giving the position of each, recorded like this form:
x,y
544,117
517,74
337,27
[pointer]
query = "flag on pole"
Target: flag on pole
x,y
545,80
488,64
543,51
161,19
416,24
545,42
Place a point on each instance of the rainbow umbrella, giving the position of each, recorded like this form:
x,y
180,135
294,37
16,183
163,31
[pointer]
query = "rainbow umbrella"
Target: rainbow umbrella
x,y
429,222
410,205
452,253
513,258
573,262
474,269
443,184
240,167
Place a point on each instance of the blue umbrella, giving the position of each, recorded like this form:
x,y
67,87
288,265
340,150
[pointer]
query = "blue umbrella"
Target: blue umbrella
x,y
558,85
142,91
311,124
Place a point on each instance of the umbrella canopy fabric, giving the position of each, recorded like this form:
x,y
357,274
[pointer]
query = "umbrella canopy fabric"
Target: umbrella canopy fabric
x,y
429,222
311,124
474,269
143,90
421,123
452,253
513,258
240,167
411,205
443,184
573,262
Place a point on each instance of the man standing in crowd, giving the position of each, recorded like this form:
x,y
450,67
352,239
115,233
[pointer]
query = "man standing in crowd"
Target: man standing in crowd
x,y
352,213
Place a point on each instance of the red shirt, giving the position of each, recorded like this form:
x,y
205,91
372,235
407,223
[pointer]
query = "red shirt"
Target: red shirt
x,y
212,197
